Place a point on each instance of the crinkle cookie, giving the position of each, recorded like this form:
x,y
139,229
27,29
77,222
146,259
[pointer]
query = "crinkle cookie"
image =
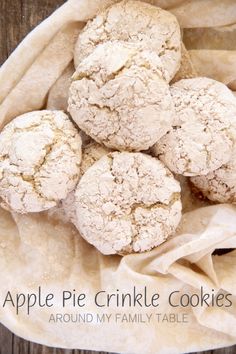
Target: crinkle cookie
x,y
127,202
120,99
220,185
40,154
66,210
148,26
204,129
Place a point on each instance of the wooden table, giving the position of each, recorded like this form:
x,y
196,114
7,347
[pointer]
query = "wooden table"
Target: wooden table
x,y
17,18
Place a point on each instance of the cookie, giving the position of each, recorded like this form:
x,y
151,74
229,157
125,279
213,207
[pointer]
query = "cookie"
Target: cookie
x,y
119,97
127,202
201,140
148,26
66,210
40,154
219,185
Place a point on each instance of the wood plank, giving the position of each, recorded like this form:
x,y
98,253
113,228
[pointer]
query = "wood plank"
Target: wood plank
x,y
17,18
39,349
20,346
6,340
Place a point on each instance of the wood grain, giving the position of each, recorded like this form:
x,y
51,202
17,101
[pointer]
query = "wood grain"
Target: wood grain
x,y
17,18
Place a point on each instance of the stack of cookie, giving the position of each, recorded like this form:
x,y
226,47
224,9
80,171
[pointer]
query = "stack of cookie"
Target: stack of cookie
x,y
145,121
120,97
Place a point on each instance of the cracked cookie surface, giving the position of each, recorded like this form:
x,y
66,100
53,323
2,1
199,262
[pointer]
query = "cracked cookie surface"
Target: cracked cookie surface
x,y
40,154
152,28
119,97
203,133
127,202
219,185
66,210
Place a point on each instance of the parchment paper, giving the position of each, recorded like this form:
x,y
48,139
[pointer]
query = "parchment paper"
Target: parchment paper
x,y
36,250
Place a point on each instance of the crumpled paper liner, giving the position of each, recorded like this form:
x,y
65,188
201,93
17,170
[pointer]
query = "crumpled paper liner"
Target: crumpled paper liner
x,y
36,250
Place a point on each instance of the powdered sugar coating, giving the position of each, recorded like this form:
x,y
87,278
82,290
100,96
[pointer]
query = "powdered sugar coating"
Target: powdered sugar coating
x,y
127,202
204,129
66,210
148,26
120,98
91,153
40,154
220,185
